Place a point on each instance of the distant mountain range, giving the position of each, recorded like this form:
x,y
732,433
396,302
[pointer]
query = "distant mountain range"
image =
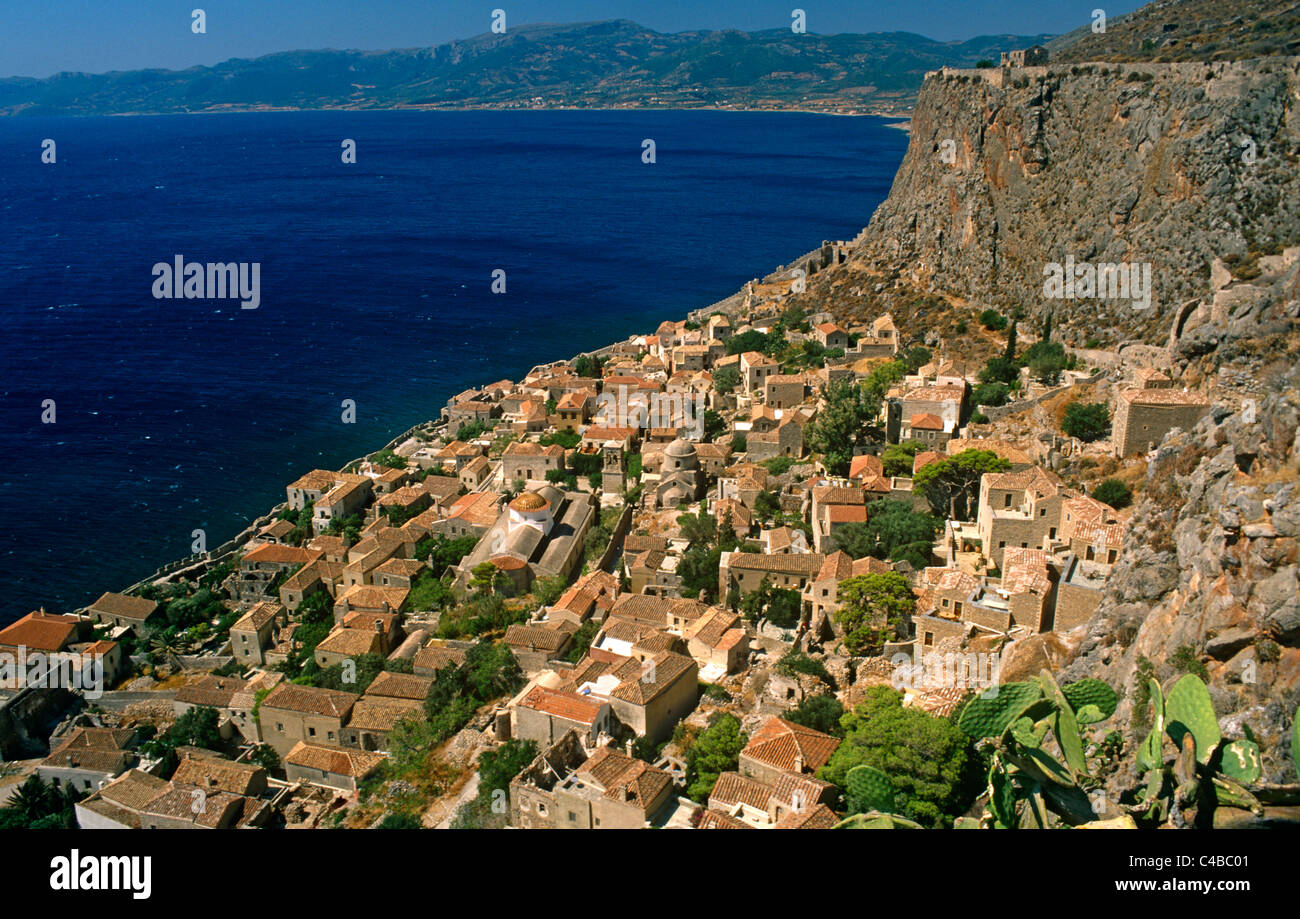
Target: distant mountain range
x,y
585,65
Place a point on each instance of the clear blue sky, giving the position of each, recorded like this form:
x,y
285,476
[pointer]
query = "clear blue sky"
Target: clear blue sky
x,y
41,37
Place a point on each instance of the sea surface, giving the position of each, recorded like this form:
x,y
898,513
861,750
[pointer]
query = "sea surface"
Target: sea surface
x,y
172,415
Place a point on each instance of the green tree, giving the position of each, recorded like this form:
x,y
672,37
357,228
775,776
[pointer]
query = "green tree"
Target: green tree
x,y
400,820
1113,492
767,505
548,590
1045,360
929,760
497,767
1000,370
897,458
874,609
715,751
993,320
266,757
840,425
821,713
726,379
893,530
1087,421
991,394
781,607
951,485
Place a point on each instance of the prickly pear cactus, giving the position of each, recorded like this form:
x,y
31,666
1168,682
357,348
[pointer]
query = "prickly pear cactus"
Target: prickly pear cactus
x,y
874,821
990,717
1028,734
1241,761
1188,710
1295,742
869,789
1090,692
1151,754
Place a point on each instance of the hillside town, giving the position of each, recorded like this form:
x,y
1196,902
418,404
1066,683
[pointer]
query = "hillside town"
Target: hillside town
x,y
658,585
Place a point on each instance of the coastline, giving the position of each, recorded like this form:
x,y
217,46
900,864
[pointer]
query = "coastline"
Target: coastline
x,y
200,563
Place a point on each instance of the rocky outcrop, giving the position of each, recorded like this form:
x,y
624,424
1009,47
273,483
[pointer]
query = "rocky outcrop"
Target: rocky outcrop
x,y
1172,165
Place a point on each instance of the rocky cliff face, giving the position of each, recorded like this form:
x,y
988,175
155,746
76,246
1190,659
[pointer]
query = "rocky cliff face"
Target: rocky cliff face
x,y
1170,165
1193,168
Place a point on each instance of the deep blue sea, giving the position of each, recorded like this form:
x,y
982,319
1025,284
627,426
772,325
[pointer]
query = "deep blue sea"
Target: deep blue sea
x,y
376,278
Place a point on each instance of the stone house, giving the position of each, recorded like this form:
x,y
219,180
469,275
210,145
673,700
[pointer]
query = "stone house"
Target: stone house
x,y
252,634
132,612
782,747
545,715
330,766
1144,416
292,713
530,462
608,790
89,757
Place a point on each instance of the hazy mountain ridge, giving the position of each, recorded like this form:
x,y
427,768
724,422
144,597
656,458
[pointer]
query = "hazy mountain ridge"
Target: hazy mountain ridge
x,y
602,64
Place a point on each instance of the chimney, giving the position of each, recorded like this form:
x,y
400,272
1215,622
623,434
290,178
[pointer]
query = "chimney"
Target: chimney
x,y
798,762
379,623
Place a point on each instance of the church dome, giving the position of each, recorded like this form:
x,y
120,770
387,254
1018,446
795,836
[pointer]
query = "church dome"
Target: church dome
x,y
681,448
528,501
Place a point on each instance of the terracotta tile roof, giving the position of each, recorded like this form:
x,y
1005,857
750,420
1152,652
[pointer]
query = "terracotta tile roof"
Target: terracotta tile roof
x,y
846,513
434,657
380,713
258,616
1164,397
350,642
838,494
138,608
536,638
1035,478
335,760
1003,448
716,820
223,774
805,563
778,742
95,749
865,464
400,686
820,817
40,631
272,554
211,690
926,422
310,700
668,668
567,705
321,480
923,459
710,628
732,788
134,790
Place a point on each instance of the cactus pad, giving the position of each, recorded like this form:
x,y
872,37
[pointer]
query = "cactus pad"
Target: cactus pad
x,y
1087,692
990,717
869,789
1241,761
1188,710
